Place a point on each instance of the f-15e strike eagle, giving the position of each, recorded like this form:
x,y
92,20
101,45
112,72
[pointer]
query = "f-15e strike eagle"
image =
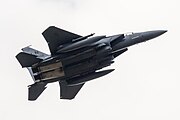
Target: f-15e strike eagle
x,y
75,59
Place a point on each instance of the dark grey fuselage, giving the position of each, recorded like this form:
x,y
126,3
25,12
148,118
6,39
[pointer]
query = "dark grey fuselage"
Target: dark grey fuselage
x,y
75,59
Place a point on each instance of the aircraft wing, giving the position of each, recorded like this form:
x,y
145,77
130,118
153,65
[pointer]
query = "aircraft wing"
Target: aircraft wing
x,y
56,37
69,92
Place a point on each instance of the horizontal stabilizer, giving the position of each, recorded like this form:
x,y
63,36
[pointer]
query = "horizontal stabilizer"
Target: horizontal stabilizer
x,y
69,92
35,52
35,90
27,60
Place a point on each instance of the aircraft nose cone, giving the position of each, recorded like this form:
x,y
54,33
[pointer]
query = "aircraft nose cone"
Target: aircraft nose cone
x,y
152,34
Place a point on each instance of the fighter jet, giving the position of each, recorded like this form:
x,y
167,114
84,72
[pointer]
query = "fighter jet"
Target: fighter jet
x,y
75,59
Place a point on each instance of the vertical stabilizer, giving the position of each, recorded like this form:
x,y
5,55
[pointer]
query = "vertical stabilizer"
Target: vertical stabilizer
x,y
35,90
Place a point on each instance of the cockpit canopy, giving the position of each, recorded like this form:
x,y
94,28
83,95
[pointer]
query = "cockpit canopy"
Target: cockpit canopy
x,y
128,33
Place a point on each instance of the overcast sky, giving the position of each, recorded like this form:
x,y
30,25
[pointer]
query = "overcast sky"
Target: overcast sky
x,y
145,84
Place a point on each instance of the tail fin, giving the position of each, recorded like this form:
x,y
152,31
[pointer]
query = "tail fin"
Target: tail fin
x,y
35,90
27,60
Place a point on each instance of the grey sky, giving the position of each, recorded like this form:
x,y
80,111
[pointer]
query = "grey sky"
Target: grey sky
x,y
146,77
